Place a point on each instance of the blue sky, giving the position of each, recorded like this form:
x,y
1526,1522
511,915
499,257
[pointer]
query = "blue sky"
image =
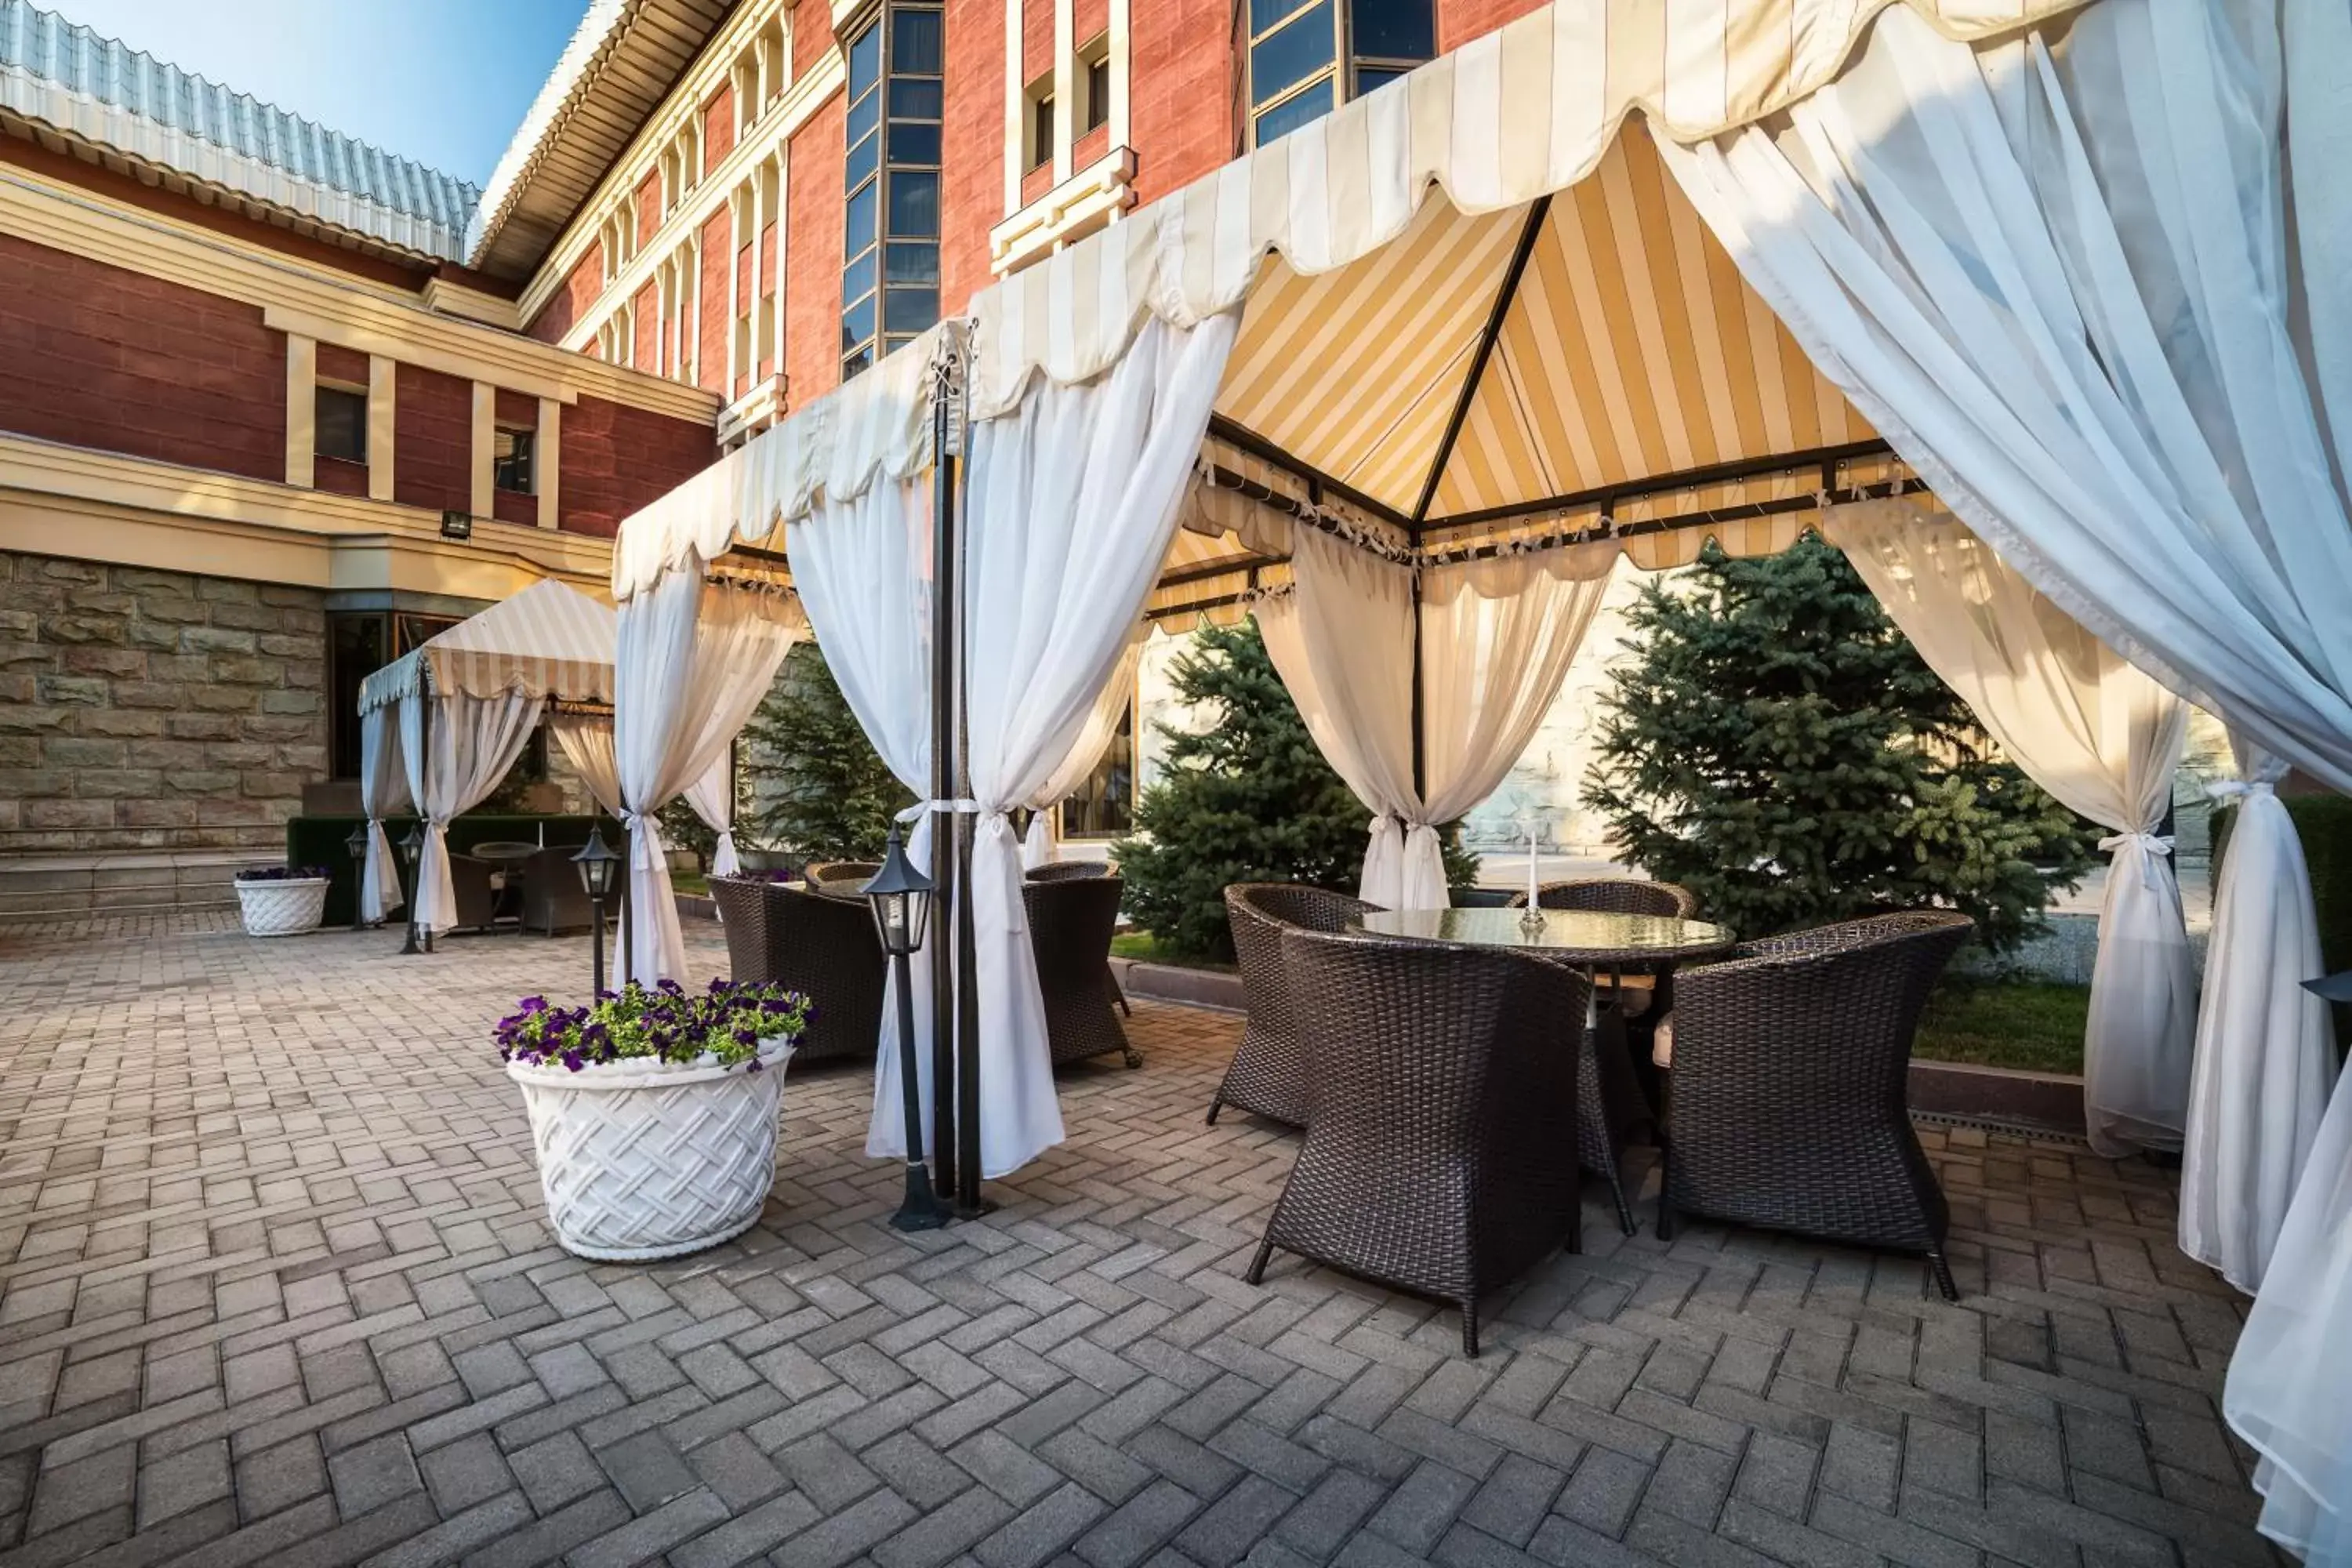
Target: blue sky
x,y
443,81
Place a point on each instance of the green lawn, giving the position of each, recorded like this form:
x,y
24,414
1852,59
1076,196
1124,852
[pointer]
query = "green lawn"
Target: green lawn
x,y
2027,1024
1144,948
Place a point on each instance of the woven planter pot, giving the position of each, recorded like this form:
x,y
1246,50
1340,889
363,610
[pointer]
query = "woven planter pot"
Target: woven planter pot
x,y
641,1159
284,907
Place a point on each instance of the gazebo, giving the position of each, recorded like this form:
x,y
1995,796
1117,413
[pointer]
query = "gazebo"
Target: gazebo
x,y
2000,298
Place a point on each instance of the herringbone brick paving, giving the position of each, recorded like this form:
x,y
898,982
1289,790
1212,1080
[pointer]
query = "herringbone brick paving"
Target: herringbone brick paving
x,y
275,1285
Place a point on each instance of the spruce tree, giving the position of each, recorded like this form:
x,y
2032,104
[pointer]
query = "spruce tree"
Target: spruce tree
x,y
1777,746
818,790
1247,798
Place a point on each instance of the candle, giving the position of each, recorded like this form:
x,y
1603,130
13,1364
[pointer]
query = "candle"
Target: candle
x,y
1532,894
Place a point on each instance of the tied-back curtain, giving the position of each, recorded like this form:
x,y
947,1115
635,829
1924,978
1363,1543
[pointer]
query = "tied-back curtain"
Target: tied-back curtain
x,y
1072,502
586,742
384,789
712,797
694,660
474,741
2096,733
1498,637
1042,842
2265,1049
864,571
2058,284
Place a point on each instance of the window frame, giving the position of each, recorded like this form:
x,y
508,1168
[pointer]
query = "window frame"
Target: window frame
x,y
320,394
1128,727
1094,87
866,249
1338,77
1039,132
527,454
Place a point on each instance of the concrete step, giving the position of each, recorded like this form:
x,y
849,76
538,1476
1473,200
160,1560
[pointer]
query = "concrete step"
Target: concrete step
x,y
53,886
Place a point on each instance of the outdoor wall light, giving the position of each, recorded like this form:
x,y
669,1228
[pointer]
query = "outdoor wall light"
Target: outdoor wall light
x,y
409,849
900,898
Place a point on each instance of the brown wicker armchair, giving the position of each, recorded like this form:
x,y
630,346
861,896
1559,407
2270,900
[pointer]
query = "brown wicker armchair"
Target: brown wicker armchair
x,y
477,901
552,898
1615,896
1446,1084
1068,871
1268,1076
1788,1102
1070,926
825,947
823,871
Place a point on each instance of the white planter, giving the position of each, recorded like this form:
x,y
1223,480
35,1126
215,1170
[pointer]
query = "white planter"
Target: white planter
x,y
283,908
640,1159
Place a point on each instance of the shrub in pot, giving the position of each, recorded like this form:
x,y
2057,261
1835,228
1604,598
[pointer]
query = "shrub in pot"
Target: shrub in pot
x,y
282,900
654,1111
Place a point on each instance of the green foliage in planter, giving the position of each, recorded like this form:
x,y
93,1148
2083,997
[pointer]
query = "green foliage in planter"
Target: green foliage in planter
x,y
2324,823
1778,747
1247,799
819,791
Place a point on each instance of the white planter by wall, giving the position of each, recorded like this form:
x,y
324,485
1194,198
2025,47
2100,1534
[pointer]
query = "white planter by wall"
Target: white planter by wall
x,y
640,1159
282,907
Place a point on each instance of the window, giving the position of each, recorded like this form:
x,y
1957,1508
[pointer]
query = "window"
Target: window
x,y
890,255
1041,127
339,427
1097,100
1305,60
360,643
1104,806
510,460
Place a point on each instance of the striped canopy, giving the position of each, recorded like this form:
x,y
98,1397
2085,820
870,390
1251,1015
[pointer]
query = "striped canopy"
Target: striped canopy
x,y
549,640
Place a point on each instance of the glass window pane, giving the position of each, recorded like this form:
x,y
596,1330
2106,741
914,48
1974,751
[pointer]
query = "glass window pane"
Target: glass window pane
x,y
865,114
859,231
1308,106
914,145
865,61
914,100
910,310
1370,78
1394,29
915,43
915,263
863,161
914,205
338,423
1098,93
857,323
857,277
1265,13
861,361
1292,55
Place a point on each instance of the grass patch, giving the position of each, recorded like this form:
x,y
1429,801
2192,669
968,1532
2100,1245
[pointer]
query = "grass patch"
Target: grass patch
x,y
1145,948
688,882
2026,1024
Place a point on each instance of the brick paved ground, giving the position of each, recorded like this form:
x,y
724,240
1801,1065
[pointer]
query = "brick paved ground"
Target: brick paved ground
x,y
275,1285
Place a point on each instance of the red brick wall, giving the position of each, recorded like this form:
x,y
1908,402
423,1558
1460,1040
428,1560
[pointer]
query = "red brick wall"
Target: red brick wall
x,y
1459,21
711,372
813,261
1090,19
649,208
1036,36
572,300
1179,93
811,34
743,296
336,362
647,309
335,474
717,127
972,185
616,460
512,506
101,356
432,439
517,410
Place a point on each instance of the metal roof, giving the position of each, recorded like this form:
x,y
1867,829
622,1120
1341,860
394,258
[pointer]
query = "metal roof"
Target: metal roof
x,y
64,84
619,67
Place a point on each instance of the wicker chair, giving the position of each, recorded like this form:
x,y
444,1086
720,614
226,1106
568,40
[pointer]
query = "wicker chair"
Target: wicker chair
x,y
1079,871
822,871
1070,926
1267,1077
1617,1089
826,948
477,901
552,898
1791,1061
1445,1082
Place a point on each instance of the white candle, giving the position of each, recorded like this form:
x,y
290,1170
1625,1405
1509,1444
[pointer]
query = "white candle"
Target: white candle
x,y
1532,896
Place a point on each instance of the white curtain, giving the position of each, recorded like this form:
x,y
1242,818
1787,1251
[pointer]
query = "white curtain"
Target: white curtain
x,y
2100,736
1072,502
712,797
2265,1047
1043,843
586,742
1498,637
384,789
2289,1390
694,659
2059,285
863,569
474,741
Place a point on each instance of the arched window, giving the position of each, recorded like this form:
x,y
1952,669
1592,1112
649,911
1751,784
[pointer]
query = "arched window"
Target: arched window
x,y
1305,60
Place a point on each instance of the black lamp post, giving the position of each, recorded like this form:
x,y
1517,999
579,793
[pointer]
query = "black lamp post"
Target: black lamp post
x,y
900,897
596,863
410,848
358,845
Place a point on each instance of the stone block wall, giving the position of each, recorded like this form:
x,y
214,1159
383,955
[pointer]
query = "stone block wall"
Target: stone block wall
x,y
144,710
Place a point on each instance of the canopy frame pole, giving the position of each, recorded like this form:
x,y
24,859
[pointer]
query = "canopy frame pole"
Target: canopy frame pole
x,y
967,1201
1243,438
945,689
1667,483
1538,210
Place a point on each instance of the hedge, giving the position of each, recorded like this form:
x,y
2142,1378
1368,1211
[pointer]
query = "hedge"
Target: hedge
x,y
2323,822
325,841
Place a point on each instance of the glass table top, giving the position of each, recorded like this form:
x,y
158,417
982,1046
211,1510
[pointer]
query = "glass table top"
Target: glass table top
x,y
1569,932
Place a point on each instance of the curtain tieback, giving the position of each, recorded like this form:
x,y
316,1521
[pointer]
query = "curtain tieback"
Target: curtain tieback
x,y
922,807
2230,789
2153,848
641,844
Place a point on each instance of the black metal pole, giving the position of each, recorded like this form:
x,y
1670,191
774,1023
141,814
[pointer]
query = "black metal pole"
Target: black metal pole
x,y
425,770
921,1209
1420,748
946,887
596,907
969,1204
